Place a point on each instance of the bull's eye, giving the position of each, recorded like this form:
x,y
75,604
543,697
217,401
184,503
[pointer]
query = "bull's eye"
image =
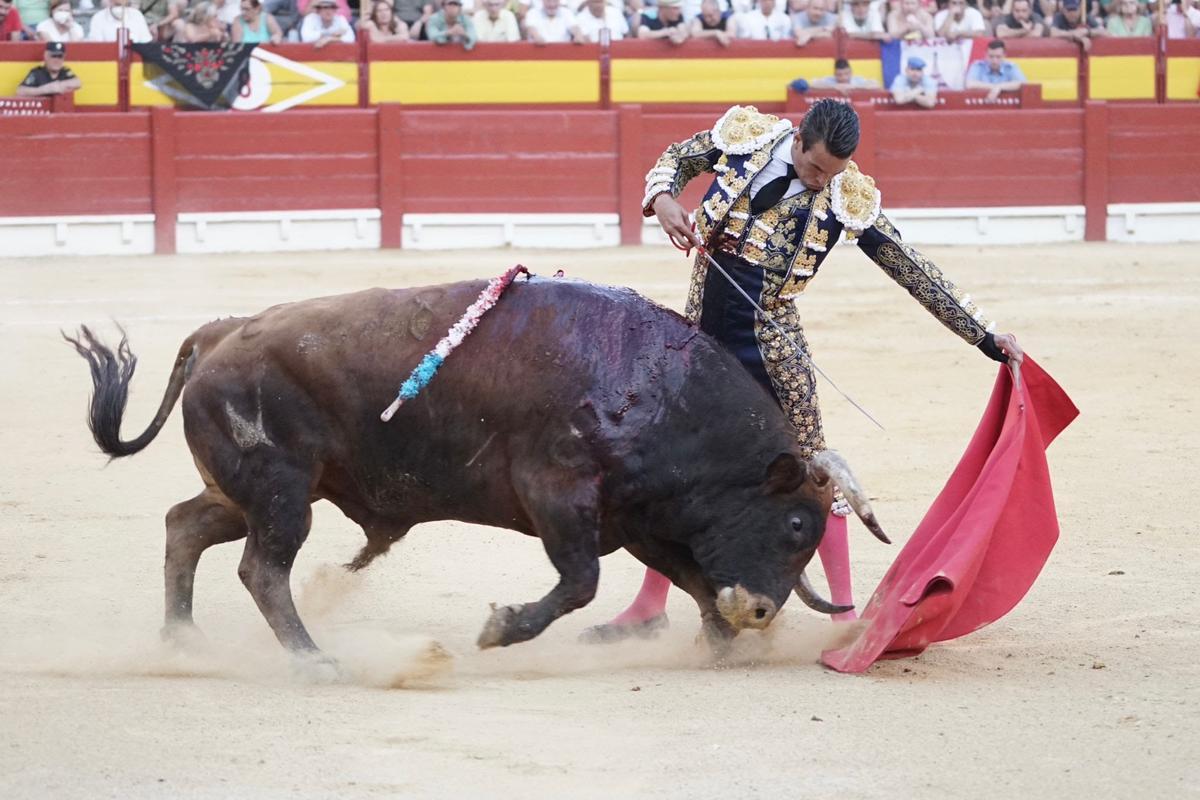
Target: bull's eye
x,y
797,525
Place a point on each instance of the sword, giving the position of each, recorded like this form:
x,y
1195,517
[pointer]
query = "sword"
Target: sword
x,y
778,329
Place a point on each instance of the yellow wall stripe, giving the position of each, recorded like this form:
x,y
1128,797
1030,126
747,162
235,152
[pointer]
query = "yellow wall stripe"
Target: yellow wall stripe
x,y
451,82
710,80
1059,77
1121,77
285,84
1183,77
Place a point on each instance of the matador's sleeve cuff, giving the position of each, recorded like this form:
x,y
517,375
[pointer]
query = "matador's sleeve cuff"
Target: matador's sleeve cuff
x,y
678,164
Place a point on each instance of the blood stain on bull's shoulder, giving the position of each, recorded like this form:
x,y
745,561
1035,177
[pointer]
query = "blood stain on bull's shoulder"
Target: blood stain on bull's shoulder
x,y
309,343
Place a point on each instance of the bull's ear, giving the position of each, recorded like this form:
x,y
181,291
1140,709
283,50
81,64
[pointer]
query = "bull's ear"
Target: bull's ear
x,y
785,474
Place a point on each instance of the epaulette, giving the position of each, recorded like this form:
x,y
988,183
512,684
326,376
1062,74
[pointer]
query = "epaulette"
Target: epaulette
x,y
854,199
744,129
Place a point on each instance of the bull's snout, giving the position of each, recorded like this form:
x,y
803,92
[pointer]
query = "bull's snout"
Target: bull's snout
x,y
743,609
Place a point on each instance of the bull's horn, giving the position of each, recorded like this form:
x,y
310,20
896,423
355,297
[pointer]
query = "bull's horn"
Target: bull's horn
x,y
808,594
828,465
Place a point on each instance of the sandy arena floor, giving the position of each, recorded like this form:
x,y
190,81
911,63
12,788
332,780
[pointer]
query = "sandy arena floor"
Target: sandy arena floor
x,y
1090,688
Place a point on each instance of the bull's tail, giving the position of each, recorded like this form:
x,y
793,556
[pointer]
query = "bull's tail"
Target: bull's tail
x,y
111,374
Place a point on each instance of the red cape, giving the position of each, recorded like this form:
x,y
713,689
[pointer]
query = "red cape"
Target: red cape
x,y
983,541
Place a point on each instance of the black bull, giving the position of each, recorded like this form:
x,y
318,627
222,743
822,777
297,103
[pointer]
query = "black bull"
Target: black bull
x,y
583,415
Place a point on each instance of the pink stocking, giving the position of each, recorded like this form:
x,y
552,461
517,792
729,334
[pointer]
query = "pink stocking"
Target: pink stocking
x,y
650,601
834,551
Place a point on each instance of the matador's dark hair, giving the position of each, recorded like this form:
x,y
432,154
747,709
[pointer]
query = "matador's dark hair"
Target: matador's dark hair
x,y
831,122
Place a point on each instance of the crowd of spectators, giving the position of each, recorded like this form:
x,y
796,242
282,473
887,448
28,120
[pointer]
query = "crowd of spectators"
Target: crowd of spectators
x,y
465,22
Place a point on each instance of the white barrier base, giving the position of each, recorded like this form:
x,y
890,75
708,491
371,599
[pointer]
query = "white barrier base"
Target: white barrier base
x,y
1153,222
967,226
278,231
100,235
453,231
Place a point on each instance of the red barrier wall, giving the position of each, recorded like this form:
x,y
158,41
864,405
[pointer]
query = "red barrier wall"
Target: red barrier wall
x,y
75,164
404,161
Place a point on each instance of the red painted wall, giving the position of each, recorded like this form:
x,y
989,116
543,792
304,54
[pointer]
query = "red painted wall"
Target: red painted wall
x,y
75,164
559,161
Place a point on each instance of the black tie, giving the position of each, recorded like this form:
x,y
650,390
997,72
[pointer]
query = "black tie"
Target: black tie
x,y
773,192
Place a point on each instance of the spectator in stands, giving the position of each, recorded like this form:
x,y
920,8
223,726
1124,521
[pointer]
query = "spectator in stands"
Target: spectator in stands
x,y
815,22
323,25
996,74
383,25
33,13
1129,21
255,26
1182,20
1069,23
959,21
1020,23
343,8
713,23
764,22
909,21
495,23
107,21
53,77
286,14
860,20
552,24
414,14
667,24
914,86
598,15
11,27
451,26
844,79
203,25
60,26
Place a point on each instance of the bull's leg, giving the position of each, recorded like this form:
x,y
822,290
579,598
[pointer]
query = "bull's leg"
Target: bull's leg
x,y
280,518
568,528
192,527
677,564
380,539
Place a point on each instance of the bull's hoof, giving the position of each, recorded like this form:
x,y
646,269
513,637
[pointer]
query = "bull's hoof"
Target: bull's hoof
x,y
611,632
316,668
495,631
184,636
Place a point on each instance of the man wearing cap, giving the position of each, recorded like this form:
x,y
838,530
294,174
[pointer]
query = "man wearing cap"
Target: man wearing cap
x,y
781,199
668,23
996,74
451,26
323,25
914,86
53,77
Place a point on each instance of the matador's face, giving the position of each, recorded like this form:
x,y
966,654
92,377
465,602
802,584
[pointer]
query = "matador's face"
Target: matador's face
x,y
815,167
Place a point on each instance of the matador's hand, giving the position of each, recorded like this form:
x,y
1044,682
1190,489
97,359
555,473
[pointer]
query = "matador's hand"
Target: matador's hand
x,y
1008,343
674,220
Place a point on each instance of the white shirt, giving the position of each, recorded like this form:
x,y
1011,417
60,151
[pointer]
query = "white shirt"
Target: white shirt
x,y
504,29
753,25
781,159
972,22
47,31
105,25
614,20
874,23
313,29
552,29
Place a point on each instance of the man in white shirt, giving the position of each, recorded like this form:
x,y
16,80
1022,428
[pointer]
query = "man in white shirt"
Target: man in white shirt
x,y
551,24
861,20
107,22
495,23
764,23
959,21
323,25
598,15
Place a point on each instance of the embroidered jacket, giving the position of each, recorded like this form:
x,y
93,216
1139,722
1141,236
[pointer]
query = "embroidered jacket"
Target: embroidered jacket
x,y
792,238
